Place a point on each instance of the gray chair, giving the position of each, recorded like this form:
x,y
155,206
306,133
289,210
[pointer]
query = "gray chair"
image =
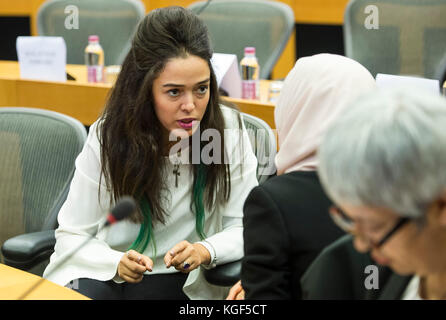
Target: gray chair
x,y
114,21
440,74
410,39
236,24
37,163
263,142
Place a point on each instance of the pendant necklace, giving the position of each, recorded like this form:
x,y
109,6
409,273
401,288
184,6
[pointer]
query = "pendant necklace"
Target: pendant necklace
x,y
176,169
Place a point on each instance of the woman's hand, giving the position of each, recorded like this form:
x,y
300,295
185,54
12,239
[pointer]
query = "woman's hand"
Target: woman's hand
x,y
133,265
236,292
186,256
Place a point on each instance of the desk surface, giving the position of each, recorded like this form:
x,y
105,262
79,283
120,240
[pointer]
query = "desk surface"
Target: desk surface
x,y
85,101
284,64
14,282
326,12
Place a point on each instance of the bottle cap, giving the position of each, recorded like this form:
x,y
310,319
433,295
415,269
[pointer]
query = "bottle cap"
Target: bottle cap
x,y
250,50
93,38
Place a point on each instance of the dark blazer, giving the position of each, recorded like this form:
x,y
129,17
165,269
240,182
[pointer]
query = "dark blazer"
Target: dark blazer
x,y
286,225
339,273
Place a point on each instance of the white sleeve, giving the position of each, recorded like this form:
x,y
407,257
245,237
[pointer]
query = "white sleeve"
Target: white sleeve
x,y
227,245
80,218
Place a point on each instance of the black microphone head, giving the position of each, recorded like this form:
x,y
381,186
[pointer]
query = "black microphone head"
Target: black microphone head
x,y
125,207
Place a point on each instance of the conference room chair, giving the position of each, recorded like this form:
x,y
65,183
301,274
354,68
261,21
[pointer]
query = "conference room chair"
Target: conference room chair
x,y
263,142
37,163
440,73
114,21
236,24
401,37
339,273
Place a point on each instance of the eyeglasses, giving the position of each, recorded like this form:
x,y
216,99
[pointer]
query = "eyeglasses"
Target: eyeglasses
x,y
348,225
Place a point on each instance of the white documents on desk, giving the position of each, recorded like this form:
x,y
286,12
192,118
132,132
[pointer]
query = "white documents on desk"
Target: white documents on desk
x,y
391,81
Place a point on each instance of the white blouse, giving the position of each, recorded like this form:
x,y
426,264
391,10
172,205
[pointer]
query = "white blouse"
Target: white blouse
x,y
82,214
412,290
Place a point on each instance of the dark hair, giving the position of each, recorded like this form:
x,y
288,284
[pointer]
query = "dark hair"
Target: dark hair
x,y
130,133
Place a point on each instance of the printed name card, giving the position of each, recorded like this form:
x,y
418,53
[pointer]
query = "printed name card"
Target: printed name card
x,y
42,58
390,81
228,76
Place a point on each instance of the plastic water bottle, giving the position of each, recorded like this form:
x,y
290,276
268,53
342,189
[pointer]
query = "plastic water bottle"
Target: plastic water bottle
x,y
250,71
94,60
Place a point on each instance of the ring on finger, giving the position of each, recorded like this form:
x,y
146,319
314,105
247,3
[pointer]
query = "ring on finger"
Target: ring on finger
x,y
186,265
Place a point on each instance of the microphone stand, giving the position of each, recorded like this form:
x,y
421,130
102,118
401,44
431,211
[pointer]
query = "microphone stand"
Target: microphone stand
x,y
203,7
63,261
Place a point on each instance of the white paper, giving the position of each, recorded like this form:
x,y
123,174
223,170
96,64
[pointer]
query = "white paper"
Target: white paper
x,y
228,76
42,58
392,81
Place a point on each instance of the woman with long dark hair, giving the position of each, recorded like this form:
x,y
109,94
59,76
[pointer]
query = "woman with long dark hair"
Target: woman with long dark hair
x,y
165,140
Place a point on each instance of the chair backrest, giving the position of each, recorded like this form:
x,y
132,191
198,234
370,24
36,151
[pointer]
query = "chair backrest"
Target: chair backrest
x,y
114,21
440,73
236,24
38,151
263,143
410,39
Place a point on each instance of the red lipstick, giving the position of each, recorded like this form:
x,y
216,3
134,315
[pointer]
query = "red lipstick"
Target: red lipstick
x,y
186,123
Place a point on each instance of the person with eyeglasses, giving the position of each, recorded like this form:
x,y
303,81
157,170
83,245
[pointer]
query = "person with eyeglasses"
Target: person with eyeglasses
x,y
383,163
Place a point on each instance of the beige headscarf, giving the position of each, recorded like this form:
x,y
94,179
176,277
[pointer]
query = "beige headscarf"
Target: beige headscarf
x,y
314,93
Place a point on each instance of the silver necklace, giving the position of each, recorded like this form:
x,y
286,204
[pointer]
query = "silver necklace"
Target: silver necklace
x,y
176,168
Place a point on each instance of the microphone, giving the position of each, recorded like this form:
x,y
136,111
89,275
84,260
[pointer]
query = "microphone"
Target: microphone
x,y
203,7
125,207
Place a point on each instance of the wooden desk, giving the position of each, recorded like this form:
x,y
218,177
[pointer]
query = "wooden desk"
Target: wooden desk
x,y
85,101
14,282
329,12
30,7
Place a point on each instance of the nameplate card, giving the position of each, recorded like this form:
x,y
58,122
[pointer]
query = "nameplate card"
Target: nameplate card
x,y
42,58
227,73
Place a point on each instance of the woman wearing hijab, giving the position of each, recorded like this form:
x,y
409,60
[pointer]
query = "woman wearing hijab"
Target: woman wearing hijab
x,y
286,220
